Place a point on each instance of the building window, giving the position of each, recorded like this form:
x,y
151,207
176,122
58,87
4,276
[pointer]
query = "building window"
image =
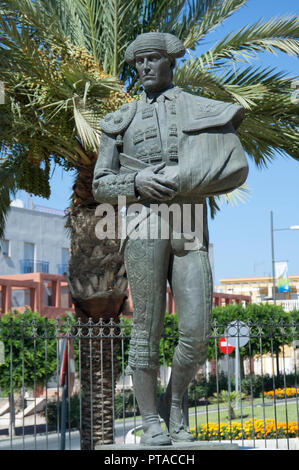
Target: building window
x,y
29,251
5,247
27,264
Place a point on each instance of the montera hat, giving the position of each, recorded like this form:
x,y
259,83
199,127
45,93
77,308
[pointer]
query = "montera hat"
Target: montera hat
x,y
164,42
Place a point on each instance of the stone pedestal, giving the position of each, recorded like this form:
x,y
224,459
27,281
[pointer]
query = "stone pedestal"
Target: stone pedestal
x,y
178,447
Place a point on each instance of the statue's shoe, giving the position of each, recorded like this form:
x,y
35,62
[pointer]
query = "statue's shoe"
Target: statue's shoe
x,y
159,439
180,432
164,409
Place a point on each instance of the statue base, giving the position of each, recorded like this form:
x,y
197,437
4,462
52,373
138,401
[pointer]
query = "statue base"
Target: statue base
x,y
182,447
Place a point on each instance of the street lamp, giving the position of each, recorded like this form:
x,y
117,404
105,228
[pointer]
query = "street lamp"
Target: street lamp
x,y
292,227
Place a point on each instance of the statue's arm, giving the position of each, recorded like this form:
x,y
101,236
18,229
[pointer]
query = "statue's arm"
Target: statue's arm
x,y
226,171
108,183
220,166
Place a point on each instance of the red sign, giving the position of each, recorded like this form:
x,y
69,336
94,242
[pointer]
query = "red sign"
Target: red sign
x,y
67,364
224,346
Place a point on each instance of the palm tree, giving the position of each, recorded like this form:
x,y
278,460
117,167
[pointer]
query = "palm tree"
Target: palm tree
x,y
56,92
62,62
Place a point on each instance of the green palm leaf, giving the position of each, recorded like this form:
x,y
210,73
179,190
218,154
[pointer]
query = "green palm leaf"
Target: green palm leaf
x,y
276,34
8,187
232,198
209,15
240,194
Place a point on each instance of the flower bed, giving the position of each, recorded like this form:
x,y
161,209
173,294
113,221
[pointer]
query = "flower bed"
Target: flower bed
x,y
251,429
280,393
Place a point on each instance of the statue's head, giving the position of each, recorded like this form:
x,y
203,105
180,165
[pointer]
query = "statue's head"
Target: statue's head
x,y
153,55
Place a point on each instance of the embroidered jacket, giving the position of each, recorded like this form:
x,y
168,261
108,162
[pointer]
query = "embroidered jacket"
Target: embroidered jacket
x,y
200,138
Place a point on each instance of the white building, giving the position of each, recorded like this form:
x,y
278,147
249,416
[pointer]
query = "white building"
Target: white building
x,y
35,240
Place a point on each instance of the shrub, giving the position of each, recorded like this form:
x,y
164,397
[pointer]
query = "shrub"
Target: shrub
x,y
224,397
53,412
124,404
254,385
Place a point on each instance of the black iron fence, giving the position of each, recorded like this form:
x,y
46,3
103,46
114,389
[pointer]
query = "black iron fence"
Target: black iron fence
x,y
64,384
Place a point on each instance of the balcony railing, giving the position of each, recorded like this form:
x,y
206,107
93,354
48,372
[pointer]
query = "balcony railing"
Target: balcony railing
x,y
289,305
34,266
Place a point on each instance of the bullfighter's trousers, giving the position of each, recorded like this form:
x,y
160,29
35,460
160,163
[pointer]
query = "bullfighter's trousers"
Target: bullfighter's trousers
x,y
150,263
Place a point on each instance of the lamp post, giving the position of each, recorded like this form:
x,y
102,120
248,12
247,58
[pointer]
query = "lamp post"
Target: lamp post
x,y
292,227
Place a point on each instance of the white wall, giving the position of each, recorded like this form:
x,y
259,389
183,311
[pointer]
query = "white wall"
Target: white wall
x,y
47,232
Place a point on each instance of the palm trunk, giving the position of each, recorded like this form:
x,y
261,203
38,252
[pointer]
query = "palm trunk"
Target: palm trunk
x,y
99,372
98,286
231,412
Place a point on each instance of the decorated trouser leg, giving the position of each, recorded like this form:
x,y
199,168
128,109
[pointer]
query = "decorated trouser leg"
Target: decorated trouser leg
x,y
145,386
193,298
146,265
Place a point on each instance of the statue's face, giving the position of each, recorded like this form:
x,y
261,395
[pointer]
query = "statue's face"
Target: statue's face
x,y
154,69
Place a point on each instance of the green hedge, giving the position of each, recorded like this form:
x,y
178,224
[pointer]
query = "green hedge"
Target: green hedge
x,y
254,385
52,412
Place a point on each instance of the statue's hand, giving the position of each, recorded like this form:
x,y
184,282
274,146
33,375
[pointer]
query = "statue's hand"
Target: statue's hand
x,y
171,175
150,183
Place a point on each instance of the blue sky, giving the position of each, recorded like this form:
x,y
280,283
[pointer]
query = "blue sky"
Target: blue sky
x,y
241,234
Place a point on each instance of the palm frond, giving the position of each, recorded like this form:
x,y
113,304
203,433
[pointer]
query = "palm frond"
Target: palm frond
x,y
213,206
271,122
117,31
99,26
276,34
54,94
82,19
35,17
240,194
210,16
194,75
87,125
8,187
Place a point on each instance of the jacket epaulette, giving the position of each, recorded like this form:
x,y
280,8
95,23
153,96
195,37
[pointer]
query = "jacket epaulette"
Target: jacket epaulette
x,y
118,121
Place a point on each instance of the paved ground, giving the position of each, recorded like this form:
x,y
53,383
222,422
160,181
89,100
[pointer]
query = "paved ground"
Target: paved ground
x,y
33,435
